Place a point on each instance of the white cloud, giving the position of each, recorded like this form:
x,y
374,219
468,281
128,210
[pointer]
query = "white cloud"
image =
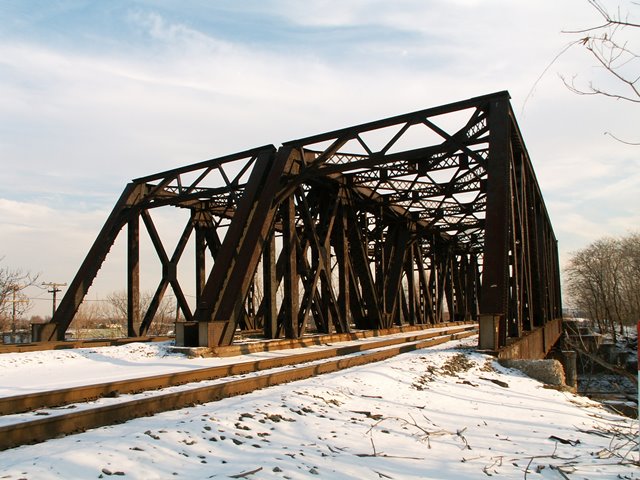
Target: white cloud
x,y
42,240
79,123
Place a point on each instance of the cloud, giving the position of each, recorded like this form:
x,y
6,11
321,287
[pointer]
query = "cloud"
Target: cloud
x,y
40,239
168,86
53,242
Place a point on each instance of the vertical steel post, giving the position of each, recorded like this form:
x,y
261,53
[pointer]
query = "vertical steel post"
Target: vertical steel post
x,y
411,285
133,274
291,289
200,249
344,273
270,287
495,273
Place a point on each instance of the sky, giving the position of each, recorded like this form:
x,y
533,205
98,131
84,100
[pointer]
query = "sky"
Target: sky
x,y
390,419
94,94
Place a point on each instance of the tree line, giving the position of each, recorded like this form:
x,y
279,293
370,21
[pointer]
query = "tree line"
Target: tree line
x,y
13,301
92,315
111,313
602,281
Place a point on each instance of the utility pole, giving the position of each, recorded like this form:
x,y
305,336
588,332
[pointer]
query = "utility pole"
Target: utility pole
x,y
14,289
54,289
13,316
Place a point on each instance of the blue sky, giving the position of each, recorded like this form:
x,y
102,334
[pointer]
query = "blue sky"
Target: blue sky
x,y
95,93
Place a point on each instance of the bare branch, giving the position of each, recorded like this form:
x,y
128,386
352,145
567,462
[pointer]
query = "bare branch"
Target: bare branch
x,y
595,91
546,69
622,141
609,21
612,53
246,474
12,284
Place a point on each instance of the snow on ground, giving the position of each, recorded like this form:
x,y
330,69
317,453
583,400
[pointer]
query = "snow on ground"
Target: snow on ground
x,y
436,413
50,370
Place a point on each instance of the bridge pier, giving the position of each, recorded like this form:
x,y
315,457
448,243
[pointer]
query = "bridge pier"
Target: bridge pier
x,y
489,325
535,344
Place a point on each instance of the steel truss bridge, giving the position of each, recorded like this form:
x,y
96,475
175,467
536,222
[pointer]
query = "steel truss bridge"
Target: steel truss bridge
x,y
423,218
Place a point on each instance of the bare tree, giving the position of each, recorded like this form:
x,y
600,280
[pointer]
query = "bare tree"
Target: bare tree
x,y
116,311
630,251
603,280
87,320
610,44
13,301
164,318
116,307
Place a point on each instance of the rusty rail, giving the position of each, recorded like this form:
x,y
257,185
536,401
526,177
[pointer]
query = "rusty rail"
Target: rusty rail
x,y
41,429
55,398
70,344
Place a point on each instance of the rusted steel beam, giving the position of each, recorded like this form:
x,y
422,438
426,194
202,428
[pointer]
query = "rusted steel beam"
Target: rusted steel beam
x,y
341,246
270,287
395,250
362,270
133,276
495,273
227,285
207,165
289,242
413,307
533,345
407,118
87,272
169,272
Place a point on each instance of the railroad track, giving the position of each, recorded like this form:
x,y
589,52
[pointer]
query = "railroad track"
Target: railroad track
x,y
20,428
70,344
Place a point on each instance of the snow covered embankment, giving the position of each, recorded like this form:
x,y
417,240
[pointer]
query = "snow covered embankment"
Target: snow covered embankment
x,y
437,413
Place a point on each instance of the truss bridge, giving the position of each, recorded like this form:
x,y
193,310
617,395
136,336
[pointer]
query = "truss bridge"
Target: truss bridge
x,y
419,219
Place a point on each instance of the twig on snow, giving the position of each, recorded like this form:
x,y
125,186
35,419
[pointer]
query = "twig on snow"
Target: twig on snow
x,y
526,469
382,475
245,474
497,462
459,433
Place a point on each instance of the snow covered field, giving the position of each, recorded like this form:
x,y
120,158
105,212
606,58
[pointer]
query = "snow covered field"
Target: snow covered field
x,y
444,412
